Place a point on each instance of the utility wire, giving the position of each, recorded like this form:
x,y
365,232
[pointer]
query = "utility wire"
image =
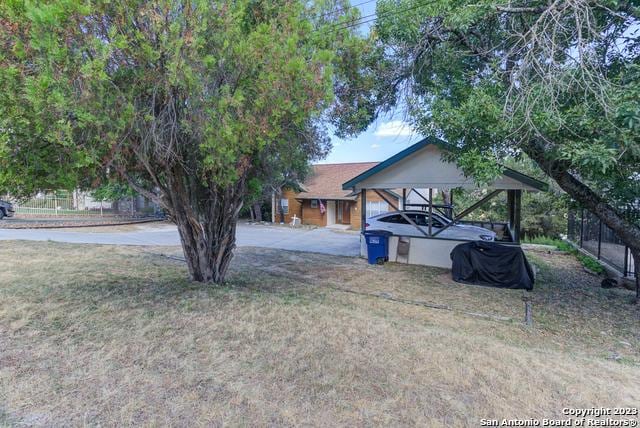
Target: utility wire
x,y
373,17
342,9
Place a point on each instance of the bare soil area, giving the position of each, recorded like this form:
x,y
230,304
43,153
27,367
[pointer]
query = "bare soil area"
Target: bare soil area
x,y
86,224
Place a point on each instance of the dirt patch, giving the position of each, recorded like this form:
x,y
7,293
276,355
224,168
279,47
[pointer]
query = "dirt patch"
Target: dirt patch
x,y
80,223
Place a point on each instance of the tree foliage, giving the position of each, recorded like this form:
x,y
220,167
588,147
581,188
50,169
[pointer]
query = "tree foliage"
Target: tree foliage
x,y
186,100
544,214
557,81
112,191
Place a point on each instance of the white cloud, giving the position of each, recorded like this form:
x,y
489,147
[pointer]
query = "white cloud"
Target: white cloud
x,y
394,128
375,146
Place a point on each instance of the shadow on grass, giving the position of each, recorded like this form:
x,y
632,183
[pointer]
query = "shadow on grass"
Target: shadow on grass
x,y
136,278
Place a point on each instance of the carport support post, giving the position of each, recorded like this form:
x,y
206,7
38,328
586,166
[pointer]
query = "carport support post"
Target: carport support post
x,y
363,210
514,203
517,215
430,210
510,201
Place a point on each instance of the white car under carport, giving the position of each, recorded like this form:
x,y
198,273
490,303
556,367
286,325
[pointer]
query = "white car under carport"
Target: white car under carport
x,y
398,224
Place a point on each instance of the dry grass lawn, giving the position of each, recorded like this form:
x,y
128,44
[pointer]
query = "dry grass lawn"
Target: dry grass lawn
x,y
104,335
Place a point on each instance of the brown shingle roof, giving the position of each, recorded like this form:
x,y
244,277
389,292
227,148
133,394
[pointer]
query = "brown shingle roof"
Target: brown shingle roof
x,y
325,182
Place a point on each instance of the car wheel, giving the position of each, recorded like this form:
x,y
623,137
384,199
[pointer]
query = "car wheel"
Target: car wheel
x,y
1,213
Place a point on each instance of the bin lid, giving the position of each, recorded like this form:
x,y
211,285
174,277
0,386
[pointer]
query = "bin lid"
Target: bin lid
x,y
378,232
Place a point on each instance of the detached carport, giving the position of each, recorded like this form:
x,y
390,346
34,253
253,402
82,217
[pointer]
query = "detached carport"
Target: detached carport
x,y
423,166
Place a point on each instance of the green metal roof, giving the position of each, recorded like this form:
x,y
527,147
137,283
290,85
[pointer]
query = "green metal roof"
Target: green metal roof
x,y
518,176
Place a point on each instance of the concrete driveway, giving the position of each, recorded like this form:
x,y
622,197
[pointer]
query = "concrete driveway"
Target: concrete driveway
x,y
316,240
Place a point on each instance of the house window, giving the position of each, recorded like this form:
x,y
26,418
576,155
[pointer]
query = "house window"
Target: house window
x,y
314,203
376,207
284,206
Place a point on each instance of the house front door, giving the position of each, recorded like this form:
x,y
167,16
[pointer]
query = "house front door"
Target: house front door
x,y
344,212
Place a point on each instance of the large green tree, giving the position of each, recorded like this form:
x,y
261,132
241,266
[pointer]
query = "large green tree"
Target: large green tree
x,y
186,100
555,80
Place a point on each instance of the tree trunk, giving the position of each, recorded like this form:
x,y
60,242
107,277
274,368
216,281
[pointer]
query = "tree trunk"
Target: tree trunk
x,y
257,210
446,198
206,218
280,208
628,232
636,259
208,255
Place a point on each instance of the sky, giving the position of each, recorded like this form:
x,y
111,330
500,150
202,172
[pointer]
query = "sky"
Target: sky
x,y
384,138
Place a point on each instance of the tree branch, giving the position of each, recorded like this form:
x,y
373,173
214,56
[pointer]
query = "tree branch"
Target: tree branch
x,y
144,192
509,9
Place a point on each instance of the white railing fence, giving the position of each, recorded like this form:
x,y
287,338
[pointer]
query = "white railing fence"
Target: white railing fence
x,y
82,204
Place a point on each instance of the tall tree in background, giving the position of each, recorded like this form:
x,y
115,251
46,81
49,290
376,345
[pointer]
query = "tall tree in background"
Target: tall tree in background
x,y
289,168
185,100
557,80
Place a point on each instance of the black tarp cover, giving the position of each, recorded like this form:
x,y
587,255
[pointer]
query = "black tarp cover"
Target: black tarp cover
x,y
489,263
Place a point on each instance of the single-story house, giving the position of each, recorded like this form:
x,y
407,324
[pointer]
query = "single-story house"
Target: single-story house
x,y
322,202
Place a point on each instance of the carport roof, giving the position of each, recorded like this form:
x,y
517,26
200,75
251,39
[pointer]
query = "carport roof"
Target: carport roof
x,y
422,166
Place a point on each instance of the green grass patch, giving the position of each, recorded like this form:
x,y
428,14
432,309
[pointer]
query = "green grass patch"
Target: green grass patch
x,y
587,261
545,240
590,263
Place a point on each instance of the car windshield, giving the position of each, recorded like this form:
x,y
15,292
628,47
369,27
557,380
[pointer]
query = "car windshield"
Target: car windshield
x,y
421,219
395,218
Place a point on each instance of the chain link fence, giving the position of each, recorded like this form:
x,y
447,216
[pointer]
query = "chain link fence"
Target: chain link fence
x,y
588,232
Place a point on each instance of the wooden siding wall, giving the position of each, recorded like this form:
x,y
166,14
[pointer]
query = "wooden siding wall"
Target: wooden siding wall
x,y
371,197
312,216
355,213
295,207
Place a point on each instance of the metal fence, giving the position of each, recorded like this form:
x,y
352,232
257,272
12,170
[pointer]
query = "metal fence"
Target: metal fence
x,y
589,233
74,204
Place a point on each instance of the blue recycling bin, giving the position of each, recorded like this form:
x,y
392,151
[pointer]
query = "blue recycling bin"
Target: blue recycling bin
x,y
377,246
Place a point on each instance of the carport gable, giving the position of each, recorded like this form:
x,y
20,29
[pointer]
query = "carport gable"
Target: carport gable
x,y
423,166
